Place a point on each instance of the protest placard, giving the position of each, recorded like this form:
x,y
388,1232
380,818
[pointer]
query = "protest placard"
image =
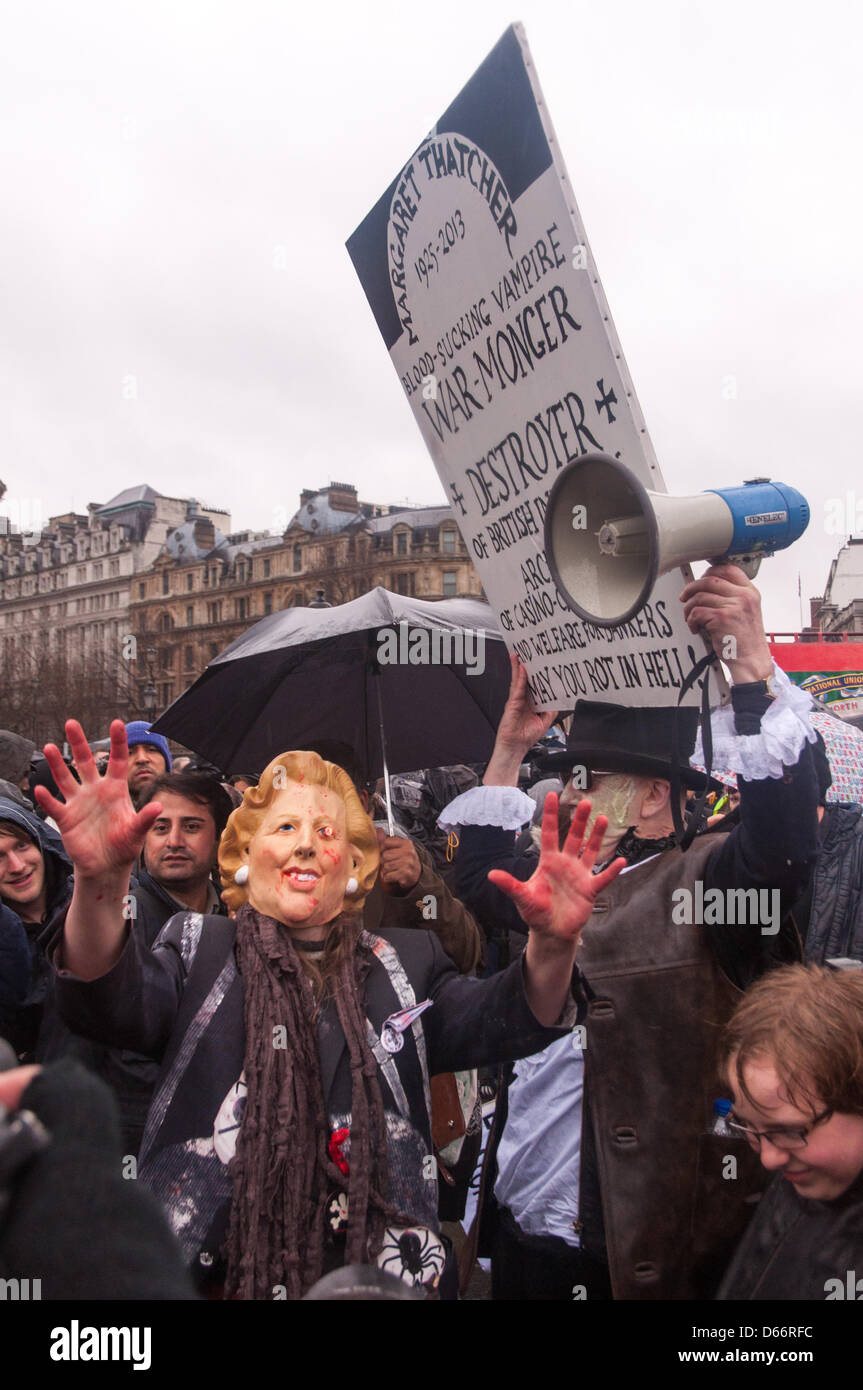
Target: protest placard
x,y
477,268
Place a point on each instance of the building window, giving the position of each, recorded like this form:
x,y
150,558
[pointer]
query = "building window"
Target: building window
x,y
97,571
266,569
240,609
113,568
406,583
298,558
189,658
190,581
214,611
268,603
214,650
448,542
166,582
450,583
241,570
142,591
165,623
401,543
190,616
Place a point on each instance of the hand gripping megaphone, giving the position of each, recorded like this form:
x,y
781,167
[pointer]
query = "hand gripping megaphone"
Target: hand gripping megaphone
x,y
607,539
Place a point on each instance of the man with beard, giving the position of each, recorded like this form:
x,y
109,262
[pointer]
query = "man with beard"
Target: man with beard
x,y
149,758
607,1181
175,875
180,850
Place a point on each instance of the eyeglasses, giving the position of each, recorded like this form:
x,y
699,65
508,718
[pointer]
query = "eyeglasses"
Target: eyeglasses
x,y
791,1138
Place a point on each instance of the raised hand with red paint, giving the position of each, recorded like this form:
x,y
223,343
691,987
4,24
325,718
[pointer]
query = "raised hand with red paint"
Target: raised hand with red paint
x,y
556,902
100,827
103,835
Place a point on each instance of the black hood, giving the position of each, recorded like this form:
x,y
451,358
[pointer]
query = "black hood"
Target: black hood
x,y
58,866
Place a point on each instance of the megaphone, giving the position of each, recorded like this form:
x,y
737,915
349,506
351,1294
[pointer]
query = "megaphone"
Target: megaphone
x,y
607,539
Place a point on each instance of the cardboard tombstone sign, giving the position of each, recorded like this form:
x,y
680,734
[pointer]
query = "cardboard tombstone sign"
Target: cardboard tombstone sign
x,y
478,271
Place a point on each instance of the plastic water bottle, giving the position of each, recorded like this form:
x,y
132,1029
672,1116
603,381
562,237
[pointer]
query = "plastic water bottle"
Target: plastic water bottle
x,y
719,1124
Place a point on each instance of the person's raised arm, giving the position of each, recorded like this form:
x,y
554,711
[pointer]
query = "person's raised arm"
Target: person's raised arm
x,y
103,835
557,903
519,729
777,840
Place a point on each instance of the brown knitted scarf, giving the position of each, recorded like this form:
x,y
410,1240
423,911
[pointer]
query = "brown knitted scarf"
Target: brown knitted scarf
x,y
282,1173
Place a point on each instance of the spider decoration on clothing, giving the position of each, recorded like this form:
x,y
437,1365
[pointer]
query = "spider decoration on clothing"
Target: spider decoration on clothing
x,y
414,1254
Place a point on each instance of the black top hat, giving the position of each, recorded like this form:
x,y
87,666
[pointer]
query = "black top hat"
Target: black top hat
x,y
617,738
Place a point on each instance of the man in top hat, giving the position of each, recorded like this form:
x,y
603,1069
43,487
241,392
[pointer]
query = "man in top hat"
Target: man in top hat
x,y
608,1184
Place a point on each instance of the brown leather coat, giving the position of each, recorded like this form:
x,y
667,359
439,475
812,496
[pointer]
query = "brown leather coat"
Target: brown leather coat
x,y
673,1211
453,925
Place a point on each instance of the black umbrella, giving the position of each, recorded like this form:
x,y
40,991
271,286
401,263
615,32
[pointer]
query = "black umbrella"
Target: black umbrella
x,y
342,673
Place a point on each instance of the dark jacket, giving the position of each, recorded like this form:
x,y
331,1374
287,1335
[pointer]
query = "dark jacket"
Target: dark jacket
x,y
451,923
799,1249
131,1075
15,965
154,906
32,1025
835,926
182,1003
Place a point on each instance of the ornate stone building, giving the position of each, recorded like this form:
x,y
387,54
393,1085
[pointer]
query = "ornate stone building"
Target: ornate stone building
x,y
65,592
115,613
206,588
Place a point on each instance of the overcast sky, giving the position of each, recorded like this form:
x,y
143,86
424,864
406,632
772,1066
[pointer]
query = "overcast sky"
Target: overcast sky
x,y
179,181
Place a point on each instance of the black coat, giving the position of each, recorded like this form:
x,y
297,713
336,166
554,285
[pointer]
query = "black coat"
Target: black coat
x,y
795,1247
183,1004
835,925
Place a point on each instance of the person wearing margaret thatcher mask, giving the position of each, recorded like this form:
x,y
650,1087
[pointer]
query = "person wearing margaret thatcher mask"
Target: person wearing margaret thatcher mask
x,y
290,1130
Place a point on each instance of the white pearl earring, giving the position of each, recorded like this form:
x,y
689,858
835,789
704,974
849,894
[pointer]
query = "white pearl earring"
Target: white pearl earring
x,y
351,887
242,875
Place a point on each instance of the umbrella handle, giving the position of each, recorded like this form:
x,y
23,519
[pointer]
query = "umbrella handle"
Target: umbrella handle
x,y
387,798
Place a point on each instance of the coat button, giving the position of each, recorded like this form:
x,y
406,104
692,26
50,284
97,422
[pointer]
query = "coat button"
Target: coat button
x,y
601,1008
625,1135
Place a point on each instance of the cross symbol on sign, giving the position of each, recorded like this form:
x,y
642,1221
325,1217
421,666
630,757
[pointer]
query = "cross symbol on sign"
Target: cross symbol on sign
x,y
608,399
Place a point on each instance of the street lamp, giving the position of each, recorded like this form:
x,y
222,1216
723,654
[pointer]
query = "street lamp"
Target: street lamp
x,y
320,601
149,695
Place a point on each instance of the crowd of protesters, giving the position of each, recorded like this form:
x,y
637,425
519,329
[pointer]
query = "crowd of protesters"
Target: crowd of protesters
x,y
295,1029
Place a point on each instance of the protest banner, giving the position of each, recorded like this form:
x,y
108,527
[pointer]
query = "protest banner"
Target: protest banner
x,y
477,268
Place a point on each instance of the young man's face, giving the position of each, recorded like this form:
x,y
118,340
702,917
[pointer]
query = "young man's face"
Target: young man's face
x,y
22,875
145,765
180,848
832,1157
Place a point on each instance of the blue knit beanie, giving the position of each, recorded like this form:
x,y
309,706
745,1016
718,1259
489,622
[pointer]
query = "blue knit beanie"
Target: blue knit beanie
x,y
139,732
